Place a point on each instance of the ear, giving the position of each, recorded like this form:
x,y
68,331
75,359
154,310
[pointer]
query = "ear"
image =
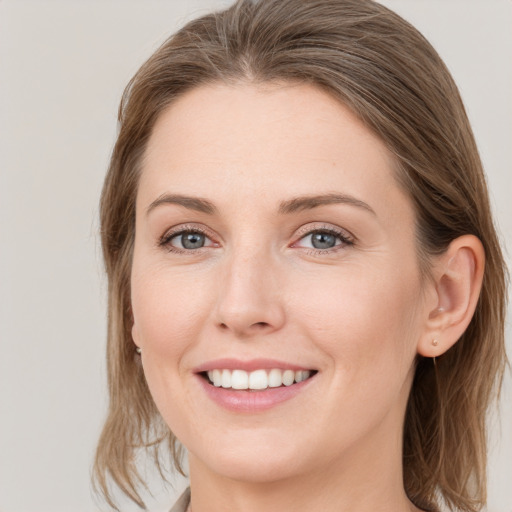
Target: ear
x,y
457,275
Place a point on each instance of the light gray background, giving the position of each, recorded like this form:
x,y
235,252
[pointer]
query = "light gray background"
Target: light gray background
x,y
63,66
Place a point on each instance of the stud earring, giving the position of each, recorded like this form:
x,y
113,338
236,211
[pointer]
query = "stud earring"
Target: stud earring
x,y
138,350
435,342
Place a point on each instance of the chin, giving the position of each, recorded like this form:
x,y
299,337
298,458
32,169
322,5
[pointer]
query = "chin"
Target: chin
x,y
259,462
255,471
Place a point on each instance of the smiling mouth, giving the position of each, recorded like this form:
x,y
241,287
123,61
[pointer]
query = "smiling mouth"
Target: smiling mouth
x,y
257,380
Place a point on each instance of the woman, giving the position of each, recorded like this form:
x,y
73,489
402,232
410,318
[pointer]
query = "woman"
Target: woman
x,y
305,285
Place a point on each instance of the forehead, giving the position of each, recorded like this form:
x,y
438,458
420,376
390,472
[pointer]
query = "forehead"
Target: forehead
x,y
291,121
274,140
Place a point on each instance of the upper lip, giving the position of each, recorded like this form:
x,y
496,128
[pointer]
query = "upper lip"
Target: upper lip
x,y
249,365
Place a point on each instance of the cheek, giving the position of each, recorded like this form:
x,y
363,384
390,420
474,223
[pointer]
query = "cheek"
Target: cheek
x,y
167,309
368,328
168,315
365,320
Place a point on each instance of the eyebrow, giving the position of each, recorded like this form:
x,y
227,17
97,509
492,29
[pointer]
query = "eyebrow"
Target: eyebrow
x,y
192,203
286,207
310,202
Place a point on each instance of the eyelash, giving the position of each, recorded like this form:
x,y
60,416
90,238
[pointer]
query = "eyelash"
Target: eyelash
x,y
165,240
345,239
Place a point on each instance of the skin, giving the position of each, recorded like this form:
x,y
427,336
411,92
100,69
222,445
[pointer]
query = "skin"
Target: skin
x,y
358,313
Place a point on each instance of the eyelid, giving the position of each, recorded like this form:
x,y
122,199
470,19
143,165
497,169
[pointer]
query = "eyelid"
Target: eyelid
x,y
313,227
346,238
169,234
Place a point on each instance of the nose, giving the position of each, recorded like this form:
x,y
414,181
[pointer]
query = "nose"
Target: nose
x,y
249,300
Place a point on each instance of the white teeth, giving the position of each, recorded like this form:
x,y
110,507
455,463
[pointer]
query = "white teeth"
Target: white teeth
x,y
226,379
302,375
288,377
256,380
275,378
217,378
239,379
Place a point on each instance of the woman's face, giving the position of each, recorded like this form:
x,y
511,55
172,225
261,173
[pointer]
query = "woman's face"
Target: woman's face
x,y
272,238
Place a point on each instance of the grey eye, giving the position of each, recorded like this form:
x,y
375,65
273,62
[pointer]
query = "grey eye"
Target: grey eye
x,y
323,240
192,240
186,240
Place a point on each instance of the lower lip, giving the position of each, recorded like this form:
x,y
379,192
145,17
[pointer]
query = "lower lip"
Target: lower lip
x,y
252,401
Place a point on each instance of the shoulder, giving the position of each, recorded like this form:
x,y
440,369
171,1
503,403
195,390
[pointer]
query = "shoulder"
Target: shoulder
x,y
183,502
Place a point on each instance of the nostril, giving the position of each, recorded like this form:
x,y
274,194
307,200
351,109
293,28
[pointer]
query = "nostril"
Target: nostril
x,y
259,326
241,326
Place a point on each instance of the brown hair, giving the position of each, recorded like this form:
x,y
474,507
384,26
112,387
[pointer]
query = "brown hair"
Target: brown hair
x,y
383,69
